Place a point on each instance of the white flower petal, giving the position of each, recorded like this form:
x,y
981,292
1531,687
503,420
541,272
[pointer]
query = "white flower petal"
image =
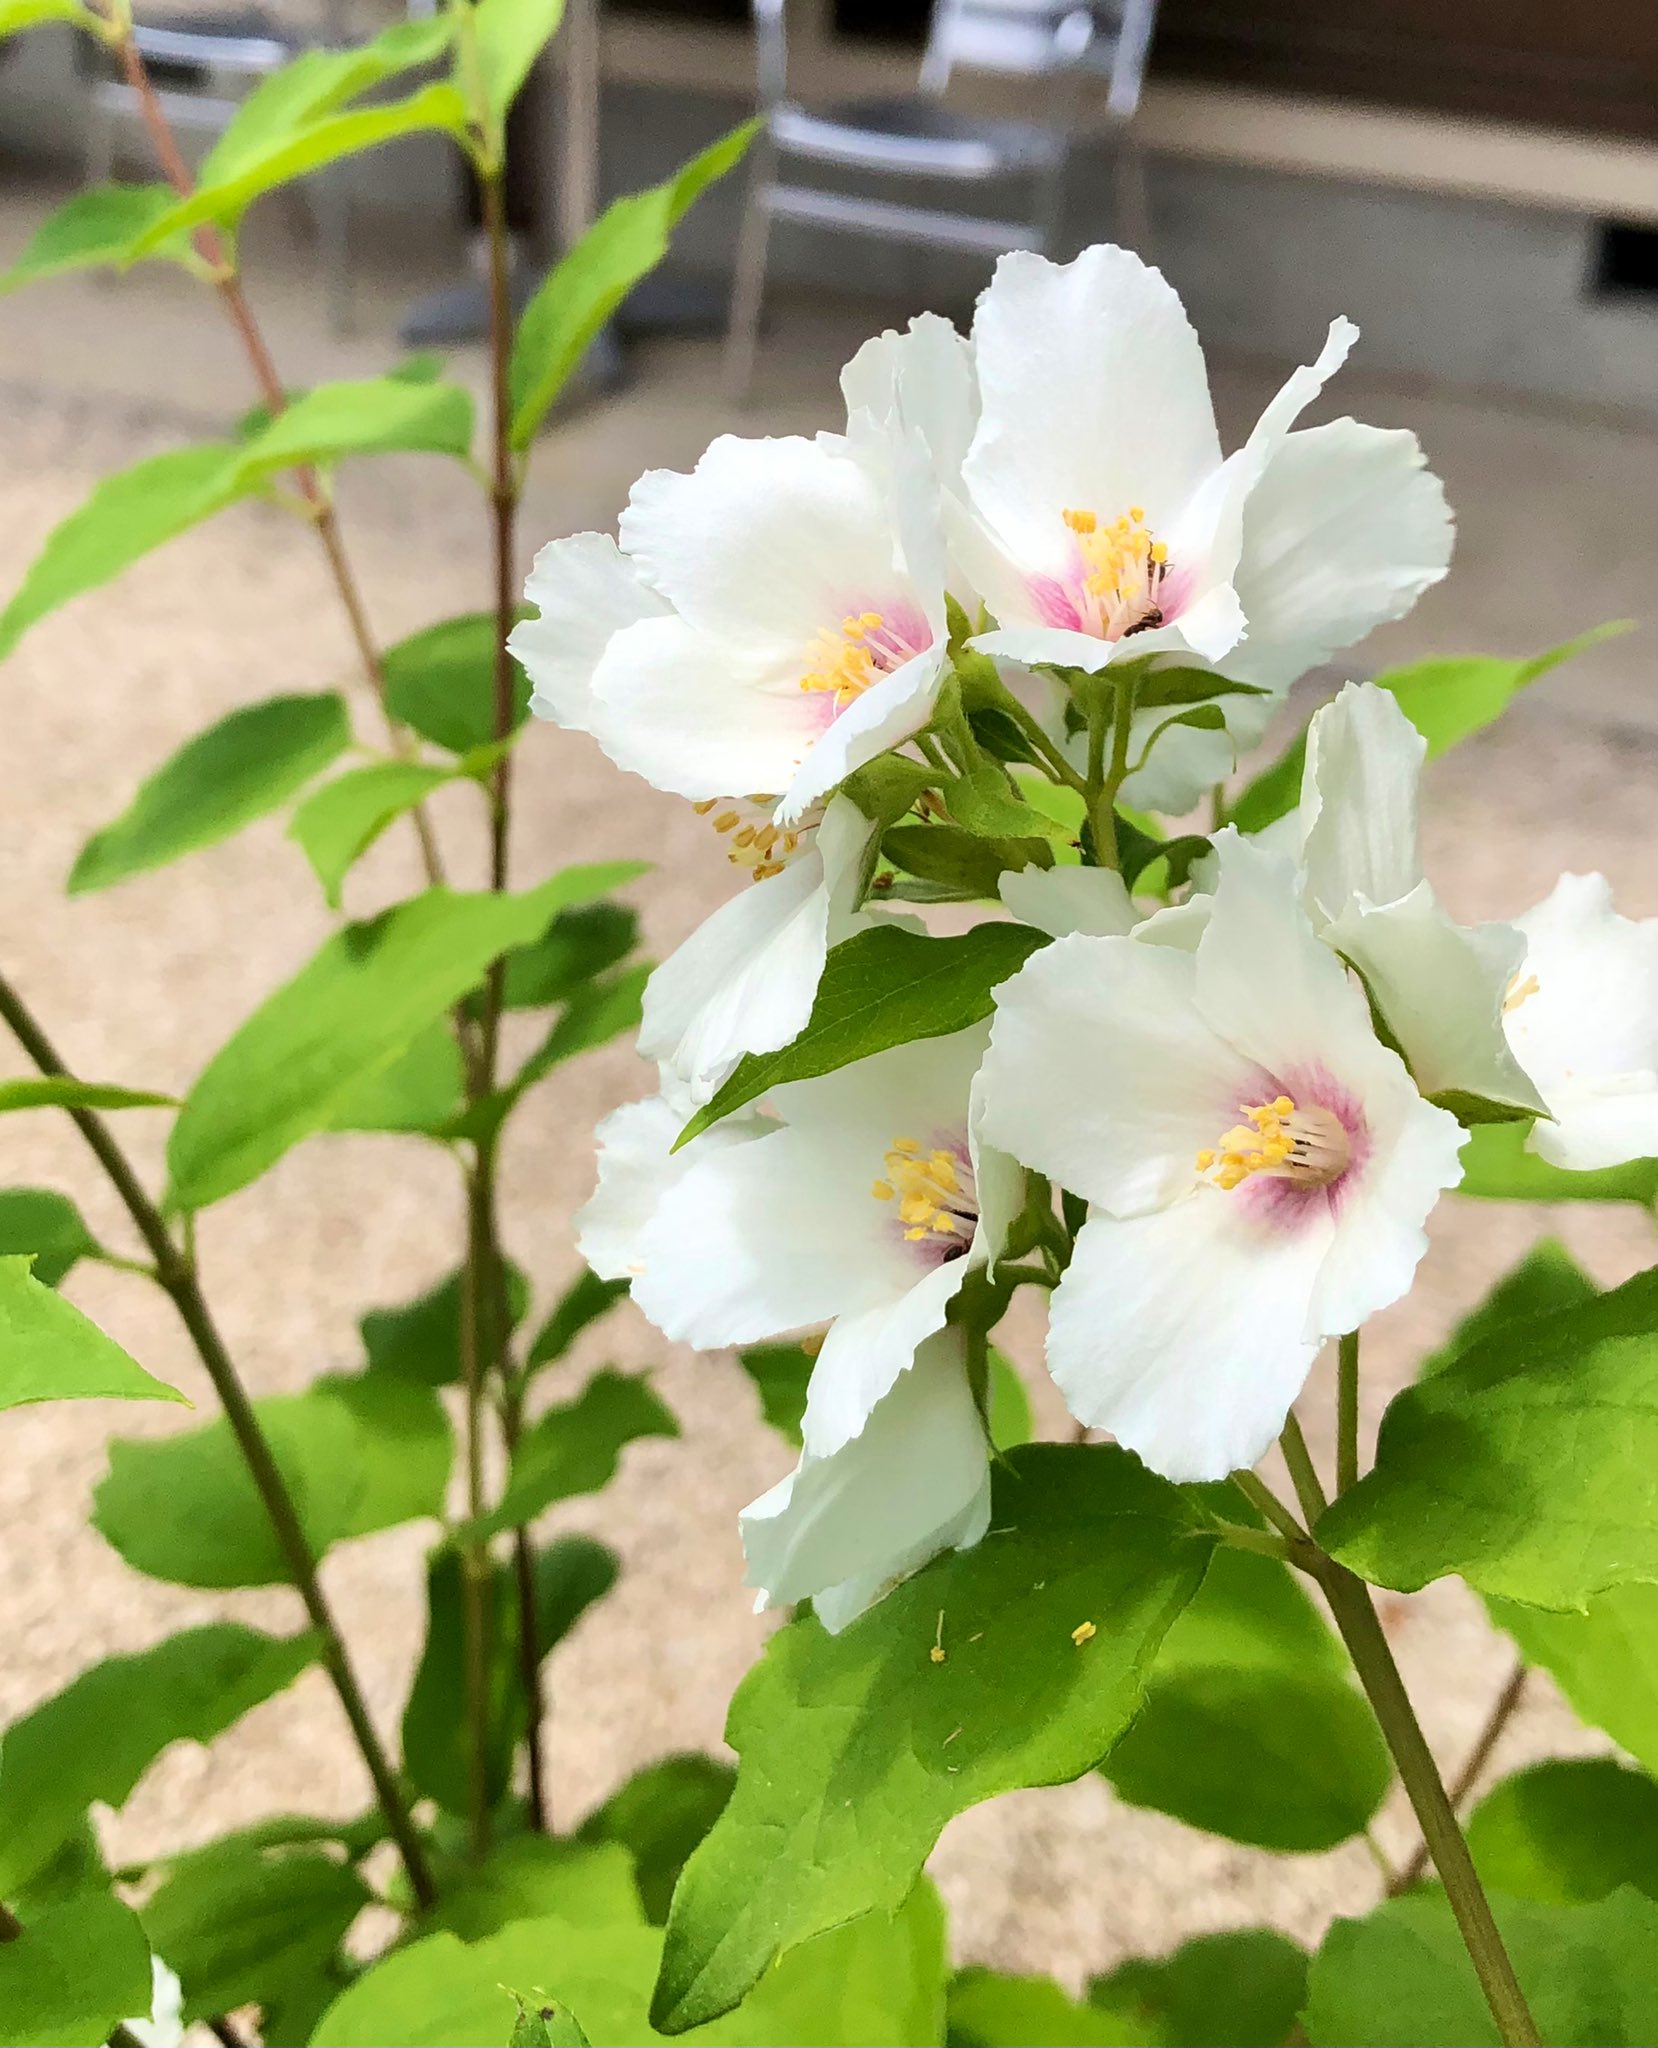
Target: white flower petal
x,y
915,1481
745,979
1587,1033
766,543
1267,984
1379,1238
1184,1332
867,1352
769,1237
1359,826
637,1166
585,590
1102,1075
1060,901
1343,531
1187,761
887,714
1441,988
924,378
693,718
1094,397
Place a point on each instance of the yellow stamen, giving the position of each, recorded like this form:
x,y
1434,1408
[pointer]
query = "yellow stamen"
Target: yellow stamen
x,y
1518,991
932,1190
1309,1146
846,665
1122,569
1084,1632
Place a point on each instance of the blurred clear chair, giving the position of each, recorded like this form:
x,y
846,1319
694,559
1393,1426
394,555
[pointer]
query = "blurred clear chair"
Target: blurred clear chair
x,y
203,64
914,136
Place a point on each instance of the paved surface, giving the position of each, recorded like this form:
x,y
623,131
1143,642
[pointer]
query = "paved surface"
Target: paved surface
x,y
1558,521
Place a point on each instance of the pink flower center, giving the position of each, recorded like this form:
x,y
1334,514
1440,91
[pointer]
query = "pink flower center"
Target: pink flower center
x,y
934,1192
1295,1151
1114,583
854,656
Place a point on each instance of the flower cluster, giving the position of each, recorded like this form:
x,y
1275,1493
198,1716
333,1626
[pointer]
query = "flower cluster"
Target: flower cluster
x,y
966,644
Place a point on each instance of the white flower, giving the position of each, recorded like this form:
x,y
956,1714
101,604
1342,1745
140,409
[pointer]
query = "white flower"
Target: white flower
x,y
1062,900
1441,986
843,1529
924,381
1105,523
1582,1017
745,980
1259,1165
796,625
163,2026
864,1206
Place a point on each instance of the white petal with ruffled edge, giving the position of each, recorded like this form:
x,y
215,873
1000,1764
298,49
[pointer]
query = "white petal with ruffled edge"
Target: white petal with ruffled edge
x,y
745,980
1060,901
1360,830
585,591
1583,1021
843,1530
637,1166
924,378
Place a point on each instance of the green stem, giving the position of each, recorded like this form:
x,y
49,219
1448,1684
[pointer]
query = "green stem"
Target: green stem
x,y
176,1274
1502,1712
1104,782
1259,1495
1309,1488
1361,1630
1347,1412
477,1606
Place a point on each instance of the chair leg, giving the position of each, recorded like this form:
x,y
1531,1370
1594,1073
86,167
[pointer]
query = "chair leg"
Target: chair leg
x,y
331,212
748,286
1133,205
1050,206
100,141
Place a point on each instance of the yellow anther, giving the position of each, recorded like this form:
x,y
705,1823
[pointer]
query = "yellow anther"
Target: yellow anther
x,y
1138,514
905,1145
1518,991
882,1190
1309,1146
933,1189
1122,567
746,837
705,806
846,663
1084,1632
1080,522
726,820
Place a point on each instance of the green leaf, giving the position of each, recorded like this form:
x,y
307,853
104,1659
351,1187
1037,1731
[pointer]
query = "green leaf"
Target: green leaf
x,y
986,803
1235,1990
1010,1418
17,15
1605,1660
879,1981
437,1748
546,2026
568,1577
625,243
238,770
421,1340
581,1305
857,1748
779,1373
1251,1728
97,226
48,1226
885,986
238,1923
96,1738
534,1877
126,516
441,683
659,1816
990,2009
1447,698
958,860
575,1448
357,1454
1565,1832
421,1091
49,1351
364,416
346,1017
1402,1979
574,948
1530,1465
1546,1279
338,823
511,34
597,1012
63,1091
1497,1167
71,1974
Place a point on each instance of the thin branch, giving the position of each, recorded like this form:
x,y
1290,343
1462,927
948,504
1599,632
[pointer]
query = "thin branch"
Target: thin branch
x,y
176,1274
1507,1703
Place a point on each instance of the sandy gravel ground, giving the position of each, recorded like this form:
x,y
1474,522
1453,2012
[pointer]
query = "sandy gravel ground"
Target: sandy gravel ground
x,y
142,983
